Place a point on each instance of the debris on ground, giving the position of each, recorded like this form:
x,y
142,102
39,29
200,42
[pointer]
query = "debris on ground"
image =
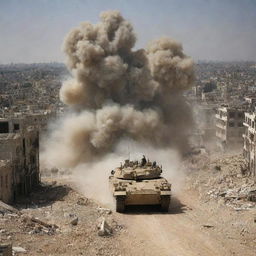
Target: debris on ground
x,y
74,221
56,212
104,228
224,178
104,210
208,226
37,226
18,249
82,201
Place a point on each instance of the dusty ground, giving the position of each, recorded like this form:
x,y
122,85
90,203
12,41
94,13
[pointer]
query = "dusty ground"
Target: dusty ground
x,y
197,224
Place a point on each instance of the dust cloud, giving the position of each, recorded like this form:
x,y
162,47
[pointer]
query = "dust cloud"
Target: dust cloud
x,y
116,92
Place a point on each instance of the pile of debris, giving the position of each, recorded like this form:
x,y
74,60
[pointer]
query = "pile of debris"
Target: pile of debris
x,y
226,179
36,226
55,211
239,198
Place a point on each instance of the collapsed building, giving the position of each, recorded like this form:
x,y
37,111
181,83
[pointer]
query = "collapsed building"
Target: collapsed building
x,y
19,155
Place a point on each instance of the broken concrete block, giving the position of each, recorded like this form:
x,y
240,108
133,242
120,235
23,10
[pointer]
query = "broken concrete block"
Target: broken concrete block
x,y
18,249
104,229
104,210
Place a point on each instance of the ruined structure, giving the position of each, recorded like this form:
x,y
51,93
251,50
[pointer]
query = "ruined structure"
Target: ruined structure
x,y
19,155
249,150
229,128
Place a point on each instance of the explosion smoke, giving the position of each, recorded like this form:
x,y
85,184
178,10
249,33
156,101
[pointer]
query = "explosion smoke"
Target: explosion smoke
x,y
117,93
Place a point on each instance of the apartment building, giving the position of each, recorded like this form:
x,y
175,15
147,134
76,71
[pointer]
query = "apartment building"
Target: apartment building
x,y
229,128
249,149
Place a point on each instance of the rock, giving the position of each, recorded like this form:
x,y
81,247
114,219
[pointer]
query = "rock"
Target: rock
x,y
74,221
82,201
104,210
18,249
12,215
104,229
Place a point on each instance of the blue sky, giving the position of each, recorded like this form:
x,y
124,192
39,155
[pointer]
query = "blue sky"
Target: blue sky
x,y
33,30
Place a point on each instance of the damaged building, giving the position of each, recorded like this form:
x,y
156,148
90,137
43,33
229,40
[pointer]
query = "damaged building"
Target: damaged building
x,y
229,128
249,150
19,155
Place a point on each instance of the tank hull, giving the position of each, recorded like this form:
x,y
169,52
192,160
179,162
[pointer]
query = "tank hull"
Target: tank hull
x,y
142,192
143,199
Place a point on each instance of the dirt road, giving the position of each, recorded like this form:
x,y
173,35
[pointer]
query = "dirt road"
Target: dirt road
x,y
192,227
189,229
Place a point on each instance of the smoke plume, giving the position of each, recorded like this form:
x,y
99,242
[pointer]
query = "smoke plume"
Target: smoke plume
x,y
116,92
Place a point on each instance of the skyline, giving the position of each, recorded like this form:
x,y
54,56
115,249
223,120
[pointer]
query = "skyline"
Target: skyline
x,y
33,31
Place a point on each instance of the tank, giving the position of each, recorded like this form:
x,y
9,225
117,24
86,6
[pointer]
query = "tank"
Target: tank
x,y
140,183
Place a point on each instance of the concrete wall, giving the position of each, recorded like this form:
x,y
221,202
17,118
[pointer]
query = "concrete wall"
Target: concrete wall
x,y
6,184
22,150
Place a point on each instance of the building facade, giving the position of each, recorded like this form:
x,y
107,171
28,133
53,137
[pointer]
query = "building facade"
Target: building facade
x,y
229,128
19,146
249,149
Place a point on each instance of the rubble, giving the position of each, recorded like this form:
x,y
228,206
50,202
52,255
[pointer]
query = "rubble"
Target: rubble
x,y
104,210
227,182
37,226
82,201
104,228
18,249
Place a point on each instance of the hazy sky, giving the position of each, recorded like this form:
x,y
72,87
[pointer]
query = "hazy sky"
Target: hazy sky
x,y
33,30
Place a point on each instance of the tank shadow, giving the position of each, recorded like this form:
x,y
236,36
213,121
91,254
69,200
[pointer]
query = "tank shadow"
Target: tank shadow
x,y
176,207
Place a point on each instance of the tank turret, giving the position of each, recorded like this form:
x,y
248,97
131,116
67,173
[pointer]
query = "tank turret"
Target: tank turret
x,y
133,170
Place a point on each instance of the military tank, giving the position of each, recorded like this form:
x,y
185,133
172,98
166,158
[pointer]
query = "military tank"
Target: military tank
x,y
135,183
